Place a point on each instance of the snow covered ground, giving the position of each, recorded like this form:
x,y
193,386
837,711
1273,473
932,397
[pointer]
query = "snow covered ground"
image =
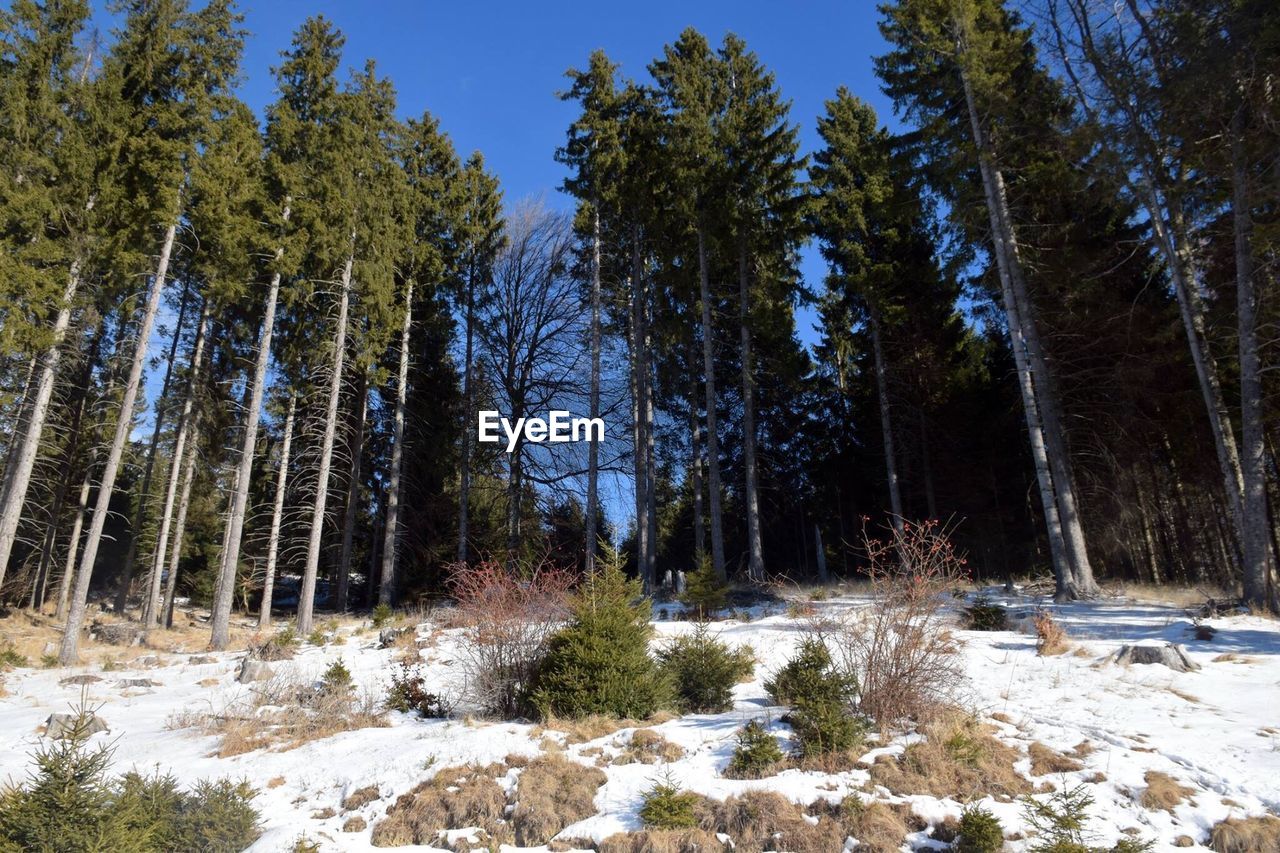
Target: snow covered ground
x,y
1216,730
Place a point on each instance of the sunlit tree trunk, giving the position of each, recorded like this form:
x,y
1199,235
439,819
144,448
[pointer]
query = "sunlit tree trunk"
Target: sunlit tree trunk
x,y
391,527
755,548
593,451
353,492
713,438
180,527
277,514
886,422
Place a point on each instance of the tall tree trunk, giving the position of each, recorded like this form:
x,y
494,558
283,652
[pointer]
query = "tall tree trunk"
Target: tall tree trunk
x,y
1252,438
277,513
220,633
820,551
926,466
468,424
886,424
69,651
1063,571
180,525
713,438
695,465
593,451
755,549
307,595
391,527
650,461
353,490
144,493
23,460
150,613
640,442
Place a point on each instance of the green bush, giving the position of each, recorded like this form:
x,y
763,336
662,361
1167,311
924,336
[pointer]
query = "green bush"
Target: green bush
x,y
1060,823
821,698
599,663
982,615
668,807
337,678
756,755
704,593
10,658
70,804
279,646
381,616
980,832
408,693
703,670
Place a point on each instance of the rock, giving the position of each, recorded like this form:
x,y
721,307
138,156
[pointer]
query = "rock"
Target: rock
x,y
116,633
79,680
147,661
253,670
1184,841
1171,655
63,725
387,637
137,682
198,660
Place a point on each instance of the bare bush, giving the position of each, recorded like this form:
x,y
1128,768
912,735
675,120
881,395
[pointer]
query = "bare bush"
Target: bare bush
x,y
505,620
900,649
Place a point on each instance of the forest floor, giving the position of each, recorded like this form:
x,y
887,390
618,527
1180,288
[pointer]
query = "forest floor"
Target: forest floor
x,y
1215,731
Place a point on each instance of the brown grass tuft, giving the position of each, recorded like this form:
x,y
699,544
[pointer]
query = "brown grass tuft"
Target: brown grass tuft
x,y
552,793
355,823
1046,760
662,841
958,758
360,798
1246,835
761,820
648,747
455,798
1163,792
1051,637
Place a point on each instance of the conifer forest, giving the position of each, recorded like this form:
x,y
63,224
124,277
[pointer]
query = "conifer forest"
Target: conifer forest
x,y
269,373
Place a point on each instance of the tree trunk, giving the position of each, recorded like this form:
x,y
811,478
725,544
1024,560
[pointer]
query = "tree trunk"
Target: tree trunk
x,y
468,424
353,490
277,513
823,575
18,472
593,451
180,527
391,531
220,633
1252,438
755,549
695,465
926,467
306,597
150,613
640,444
70,648
713,438
144,493
886,425
650,463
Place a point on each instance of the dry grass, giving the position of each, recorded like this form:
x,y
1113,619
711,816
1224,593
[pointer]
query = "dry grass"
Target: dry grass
x,y
661,841
283,713
360,798
1246,835
551,793
648,747
1051,637
762,820
958,758
456,797
1045,760
1180,596
355,823
595,726
1163,792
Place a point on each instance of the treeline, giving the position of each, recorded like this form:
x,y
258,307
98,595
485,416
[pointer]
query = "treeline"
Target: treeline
x,y
1045,317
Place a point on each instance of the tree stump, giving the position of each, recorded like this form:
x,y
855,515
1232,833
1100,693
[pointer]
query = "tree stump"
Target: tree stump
x,y
1172,655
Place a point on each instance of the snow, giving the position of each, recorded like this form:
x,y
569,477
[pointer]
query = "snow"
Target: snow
x,y
1216,730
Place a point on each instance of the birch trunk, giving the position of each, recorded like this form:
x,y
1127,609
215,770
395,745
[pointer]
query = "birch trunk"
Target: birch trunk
x,y
180,528
144,493
277,513
391,531
18,475
886,423
150,613
713,438
593,451
755,548
1256,573
353,492
240,497
70,648
306,597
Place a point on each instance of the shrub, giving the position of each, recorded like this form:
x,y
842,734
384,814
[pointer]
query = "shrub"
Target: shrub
x,y
1059,820
900,648
703,671
279,646
408,693
599,663
704,593
810,672
337,678
10,658
980,832
668,807
70,804
506,621
983,615
821,698
1051,637
381,615
958,758
757,754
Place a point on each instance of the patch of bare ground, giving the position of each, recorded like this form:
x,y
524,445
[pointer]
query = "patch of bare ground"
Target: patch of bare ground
x,y
660,841
36,635
1046,759
553,792
283,713
648,747
455,797
1163,792
1246,835
958,758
